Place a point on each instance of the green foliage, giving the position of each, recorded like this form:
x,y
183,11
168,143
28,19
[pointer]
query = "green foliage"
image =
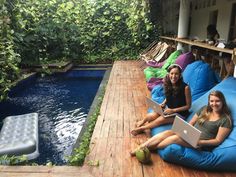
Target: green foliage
x,y
114,29
9,59
46,30
86,31
13,160
77,158
82,30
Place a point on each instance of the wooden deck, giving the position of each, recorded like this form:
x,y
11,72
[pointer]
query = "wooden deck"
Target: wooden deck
x,y
123,104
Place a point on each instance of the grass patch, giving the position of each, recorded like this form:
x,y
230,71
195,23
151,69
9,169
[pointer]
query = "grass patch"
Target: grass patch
x,y
13,160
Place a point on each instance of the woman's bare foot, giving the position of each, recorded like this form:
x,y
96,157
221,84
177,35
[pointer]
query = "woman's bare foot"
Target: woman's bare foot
x,y
139,123
136,131
133,153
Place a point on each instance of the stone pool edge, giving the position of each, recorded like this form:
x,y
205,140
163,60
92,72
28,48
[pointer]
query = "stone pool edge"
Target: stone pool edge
x,y
93,107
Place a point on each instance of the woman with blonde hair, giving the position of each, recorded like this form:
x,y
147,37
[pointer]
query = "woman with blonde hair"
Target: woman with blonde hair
x,y
213,120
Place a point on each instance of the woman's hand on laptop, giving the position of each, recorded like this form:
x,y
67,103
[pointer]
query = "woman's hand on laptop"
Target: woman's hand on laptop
x,y
163,105
169,111
199,145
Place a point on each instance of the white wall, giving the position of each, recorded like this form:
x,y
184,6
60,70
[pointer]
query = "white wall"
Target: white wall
x,y
200,18
224,16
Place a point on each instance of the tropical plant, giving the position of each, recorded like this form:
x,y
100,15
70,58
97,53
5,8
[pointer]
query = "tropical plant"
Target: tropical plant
x,y
45,30
9,59
13,160
114,29
82,30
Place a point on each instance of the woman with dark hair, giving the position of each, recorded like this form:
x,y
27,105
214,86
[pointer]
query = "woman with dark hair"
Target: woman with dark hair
x,y
212,33
178,100
213,120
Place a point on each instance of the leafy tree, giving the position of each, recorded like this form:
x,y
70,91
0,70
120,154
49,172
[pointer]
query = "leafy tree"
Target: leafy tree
x,y
114,29
9,59
82,30
46,30
85,31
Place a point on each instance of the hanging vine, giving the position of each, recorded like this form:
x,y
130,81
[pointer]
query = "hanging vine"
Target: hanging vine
x,y
9,59
82,30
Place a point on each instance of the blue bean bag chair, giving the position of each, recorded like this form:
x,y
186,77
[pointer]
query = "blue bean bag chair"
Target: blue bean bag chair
x,y
158,94
223,157
200,77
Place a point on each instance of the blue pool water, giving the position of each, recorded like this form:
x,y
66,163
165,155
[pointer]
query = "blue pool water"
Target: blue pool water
x,y
63,102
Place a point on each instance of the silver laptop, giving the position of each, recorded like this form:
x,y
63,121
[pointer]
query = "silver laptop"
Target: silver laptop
x,y
158,109
186,131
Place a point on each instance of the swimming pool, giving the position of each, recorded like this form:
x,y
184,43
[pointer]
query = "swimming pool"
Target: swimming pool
x,y
62,101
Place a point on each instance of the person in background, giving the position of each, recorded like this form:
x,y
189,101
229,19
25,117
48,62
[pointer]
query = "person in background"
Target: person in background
x,y
178,100
212,39
213,120
212,34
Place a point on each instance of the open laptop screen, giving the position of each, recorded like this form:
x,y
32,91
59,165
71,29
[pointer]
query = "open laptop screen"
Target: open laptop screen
x,y
186,131
158,109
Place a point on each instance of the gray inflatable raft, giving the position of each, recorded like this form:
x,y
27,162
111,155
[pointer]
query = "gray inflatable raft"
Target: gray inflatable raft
x,y
19,136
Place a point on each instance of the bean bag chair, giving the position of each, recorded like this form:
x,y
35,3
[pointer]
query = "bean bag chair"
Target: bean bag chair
x,y
171,59
223,157
158,94
150,72
155,64
192,75
183,60
200,77
153,82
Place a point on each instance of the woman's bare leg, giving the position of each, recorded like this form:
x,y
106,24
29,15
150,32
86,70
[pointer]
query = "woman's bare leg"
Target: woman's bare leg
x,y
155,123
174,139
153,142
149,117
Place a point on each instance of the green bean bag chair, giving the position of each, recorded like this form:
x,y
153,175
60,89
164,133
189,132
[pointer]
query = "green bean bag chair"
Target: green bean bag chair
x,y
150,72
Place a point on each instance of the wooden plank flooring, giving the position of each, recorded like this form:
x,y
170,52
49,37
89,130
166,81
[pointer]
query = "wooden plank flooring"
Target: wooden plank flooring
x,y
123,104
